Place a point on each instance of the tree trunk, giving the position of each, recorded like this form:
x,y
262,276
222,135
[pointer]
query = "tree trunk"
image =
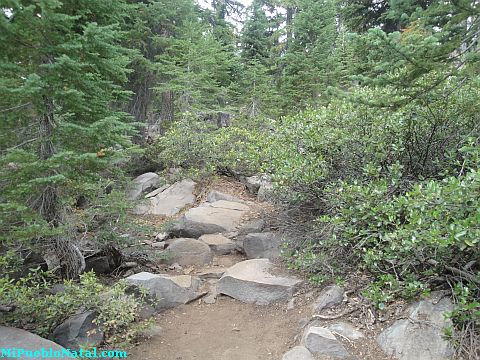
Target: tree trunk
x,y
289,22
167,112
59,251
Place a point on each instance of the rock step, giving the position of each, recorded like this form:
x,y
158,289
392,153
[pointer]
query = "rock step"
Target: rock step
x,y
252,281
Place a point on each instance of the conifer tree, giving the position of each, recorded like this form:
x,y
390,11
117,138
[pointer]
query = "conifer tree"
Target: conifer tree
x,y
61,70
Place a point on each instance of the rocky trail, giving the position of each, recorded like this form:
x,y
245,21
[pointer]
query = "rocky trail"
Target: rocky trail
x,y
217,289
226,295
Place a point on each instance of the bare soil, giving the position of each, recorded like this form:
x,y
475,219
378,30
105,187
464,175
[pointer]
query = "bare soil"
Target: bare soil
x,y
226,330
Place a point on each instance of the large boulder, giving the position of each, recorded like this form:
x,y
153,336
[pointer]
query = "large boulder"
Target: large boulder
x,y
320,340
329,297
210,218
253,281
168,291
79,331
420,336
170,201
262,245
219,244
298,353
187,252
16,339
142,183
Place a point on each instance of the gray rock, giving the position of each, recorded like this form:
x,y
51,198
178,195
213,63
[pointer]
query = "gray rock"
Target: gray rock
x,y
260,186
329,297
157,191
142,183
214,196
215,273
79,331
262,245
219,244
253,226
188,252
420,337
99,264
170,201
346,330
298,353
252,281
320,340
210,218
168,291
12,338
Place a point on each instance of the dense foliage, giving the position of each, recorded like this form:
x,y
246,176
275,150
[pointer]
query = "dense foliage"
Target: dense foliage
x,y
364,113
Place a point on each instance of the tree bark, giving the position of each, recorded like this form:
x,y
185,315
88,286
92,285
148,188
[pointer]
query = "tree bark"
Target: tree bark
x,y
59,251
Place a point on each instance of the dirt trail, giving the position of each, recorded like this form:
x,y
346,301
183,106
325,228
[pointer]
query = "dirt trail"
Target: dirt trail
x,y
227,330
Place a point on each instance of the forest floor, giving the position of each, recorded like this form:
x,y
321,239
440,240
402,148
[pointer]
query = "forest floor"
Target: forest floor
x,y
231,330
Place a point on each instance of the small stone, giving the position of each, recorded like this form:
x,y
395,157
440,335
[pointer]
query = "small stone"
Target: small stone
x,y
298,353
152,331
346,330
210,299
217,196
161,236
329,297
159,245
320,340
291,304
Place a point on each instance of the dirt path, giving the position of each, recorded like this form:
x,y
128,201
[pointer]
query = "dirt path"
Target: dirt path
x,y
227,330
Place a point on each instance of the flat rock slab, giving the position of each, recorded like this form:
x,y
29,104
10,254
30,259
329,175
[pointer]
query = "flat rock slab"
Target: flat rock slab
x,y
12,338
220,245
210,218
142,183
320,340
186,252
420,337
262,245
168,291
252,281
170,201
298,353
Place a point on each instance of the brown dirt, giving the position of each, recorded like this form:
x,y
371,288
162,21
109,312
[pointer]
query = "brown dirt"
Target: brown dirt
x,y
227,330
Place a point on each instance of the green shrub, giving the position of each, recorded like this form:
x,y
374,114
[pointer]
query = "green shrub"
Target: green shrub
x,y
35,307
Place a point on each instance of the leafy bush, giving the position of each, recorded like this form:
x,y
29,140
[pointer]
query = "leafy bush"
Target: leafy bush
x,y
35,307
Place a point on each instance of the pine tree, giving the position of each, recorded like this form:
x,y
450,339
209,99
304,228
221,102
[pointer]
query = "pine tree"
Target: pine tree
x,y
256,41
61,70
309,60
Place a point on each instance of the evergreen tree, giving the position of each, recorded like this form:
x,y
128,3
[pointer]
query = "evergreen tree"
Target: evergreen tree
x,y
256,41
309,61
61,70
